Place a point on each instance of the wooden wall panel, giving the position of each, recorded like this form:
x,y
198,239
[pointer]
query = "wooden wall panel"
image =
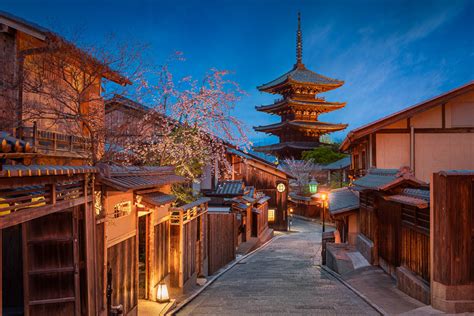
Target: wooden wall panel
x,y
122,258
162,259
415,251
222,231
389,220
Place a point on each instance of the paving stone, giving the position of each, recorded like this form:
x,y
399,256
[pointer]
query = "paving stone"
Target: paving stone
x,y
281,279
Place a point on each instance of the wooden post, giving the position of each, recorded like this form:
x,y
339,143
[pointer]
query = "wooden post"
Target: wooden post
x,y
90,250
26,283
1,270
181,249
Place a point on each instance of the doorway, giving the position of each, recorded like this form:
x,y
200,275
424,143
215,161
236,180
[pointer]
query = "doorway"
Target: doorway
x,y
143,255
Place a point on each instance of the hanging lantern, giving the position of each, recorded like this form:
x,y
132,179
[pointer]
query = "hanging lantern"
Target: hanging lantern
x,y
313,186
162,295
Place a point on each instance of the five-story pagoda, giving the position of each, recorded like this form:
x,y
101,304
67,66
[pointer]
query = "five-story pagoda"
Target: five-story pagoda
x,y
299,108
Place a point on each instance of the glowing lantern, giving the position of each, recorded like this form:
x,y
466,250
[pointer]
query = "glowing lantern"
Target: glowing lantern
x,y
313,186
162,295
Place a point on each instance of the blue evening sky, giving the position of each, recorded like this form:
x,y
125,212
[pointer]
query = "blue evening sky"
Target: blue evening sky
x,y
391,54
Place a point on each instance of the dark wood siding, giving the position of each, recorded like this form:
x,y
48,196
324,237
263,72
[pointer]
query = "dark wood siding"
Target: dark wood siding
x,y
162,259
221,228
389,215
123,259
415,251
453,233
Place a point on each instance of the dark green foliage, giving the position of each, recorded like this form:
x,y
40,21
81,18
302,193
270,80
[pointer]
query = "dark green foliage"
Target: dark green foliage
x,y
323,155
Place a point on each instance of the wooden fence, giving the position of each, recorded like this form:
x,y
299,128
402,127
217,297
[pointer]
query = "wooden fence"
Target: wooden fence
x,y
188,243
368,216
415,240
124,264
222,230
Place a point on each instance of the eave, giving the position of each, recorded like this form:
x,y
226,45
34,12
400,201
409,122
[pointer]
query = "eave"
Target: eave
x,y
316,105
316,126
370,128
287,145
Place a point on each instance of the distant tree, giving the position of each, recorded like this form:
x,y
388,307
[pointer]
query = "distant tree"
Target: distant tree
x,y
302,171
323,155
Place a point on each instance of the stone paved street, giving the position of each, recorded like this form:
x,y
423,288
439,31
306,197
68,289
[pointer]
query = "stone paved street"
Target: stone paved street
x,y
284,278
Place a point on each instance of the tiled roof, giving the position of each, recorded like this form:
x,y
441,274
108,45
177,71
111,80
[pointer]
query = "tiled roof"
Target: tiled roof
x,y
40,170
457,172
340,164
280,146
343,200
10,144
409,200
313,125
158,198
384,179
195,203
302,75
127,178
313,104
417,193
230,187
126,183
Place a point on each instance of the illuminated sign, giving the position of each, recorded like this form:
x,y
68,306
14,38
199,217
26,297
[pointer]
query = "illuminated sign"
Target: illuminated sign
x,y
281,187
271,215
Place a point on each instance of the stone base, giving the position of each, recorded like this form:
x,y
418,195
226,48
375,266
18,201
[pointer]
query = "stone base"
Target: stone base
x,y
413,285
344,258
366,247
388,268
452,298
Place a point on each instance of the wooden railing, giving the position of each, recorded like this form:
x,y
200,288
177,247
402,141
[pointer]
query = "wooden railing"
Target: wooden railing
x,y
54,142
15,204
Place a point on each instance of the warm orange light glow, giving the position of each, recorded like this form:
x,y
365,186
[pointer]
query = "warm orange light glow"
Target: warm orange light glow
x,y
162,295
324,196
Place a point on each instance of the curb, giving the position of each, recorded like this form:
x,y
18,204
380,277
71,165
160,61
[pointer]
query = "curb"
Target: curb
x,y
350,287
214,278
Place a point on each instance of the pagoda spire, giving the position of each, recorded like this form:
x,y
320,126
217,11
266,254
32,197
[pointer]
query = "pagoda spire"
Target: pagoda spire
x,y
299,44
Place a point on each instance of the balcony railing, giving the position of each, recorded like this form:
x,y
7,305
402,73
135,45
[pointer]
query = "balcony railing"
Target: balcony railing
x,y
55,143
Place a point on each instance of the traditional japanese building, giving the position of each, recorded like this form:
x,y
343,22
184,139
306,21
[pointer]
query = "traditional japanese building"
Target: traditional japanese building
x,y
299,108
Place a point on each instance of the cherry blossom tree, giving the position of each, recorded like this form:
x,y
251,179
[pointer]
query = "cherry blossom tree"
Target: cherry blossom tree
x,y
188,123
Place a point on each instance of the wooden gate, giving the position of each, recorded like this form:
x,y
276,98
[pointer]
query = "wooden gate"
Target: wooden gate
x,y
51,255
222,232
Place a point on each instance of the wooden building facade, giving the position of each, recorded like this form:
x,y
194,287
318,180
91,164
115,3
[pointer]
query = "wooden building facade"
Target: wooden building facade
x,y
430,136
47,240
135,226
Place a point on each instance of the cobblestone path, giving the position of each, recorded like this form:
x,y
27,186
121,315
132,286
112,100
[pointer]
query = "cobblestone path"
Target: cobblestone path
x,y
283,278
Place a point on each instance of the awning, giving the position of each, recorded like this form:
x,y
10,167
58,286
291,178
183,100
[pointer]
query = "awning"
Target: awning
x,y
158,198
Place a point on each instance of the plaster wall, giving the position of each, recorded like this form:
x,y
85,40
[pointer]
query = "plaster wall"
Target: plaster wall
x,y
399,124
435,152
428,119
119,229
393,150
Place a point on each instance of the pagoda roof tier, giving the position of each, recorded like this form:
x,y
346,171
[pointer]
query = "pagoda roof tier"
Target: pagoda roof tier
x,y
286,145
300,125
299,75
312,105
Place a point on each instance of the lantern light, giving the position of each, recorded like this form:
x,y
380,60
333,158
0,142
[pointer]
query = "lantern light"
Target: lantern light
x,y
324,196
162,295
313,186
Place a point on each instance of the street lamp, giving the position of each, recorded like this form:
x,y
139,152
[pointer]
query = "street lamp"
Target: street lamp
x,y
162,295
324,197
313,186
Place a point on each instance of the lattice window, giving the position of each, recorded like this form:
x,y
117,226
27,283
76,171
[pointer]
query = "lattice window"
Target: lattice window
x,y
122,209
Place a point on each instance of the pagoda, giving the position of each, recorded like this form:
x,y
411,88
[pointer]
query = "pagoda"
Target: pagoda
x,y
299,129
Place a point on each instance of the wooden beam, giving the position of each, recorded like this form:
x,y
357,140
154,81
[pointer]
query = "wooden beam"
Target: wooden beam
x,y
443,115
26,277
29,214
90,248
1,270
